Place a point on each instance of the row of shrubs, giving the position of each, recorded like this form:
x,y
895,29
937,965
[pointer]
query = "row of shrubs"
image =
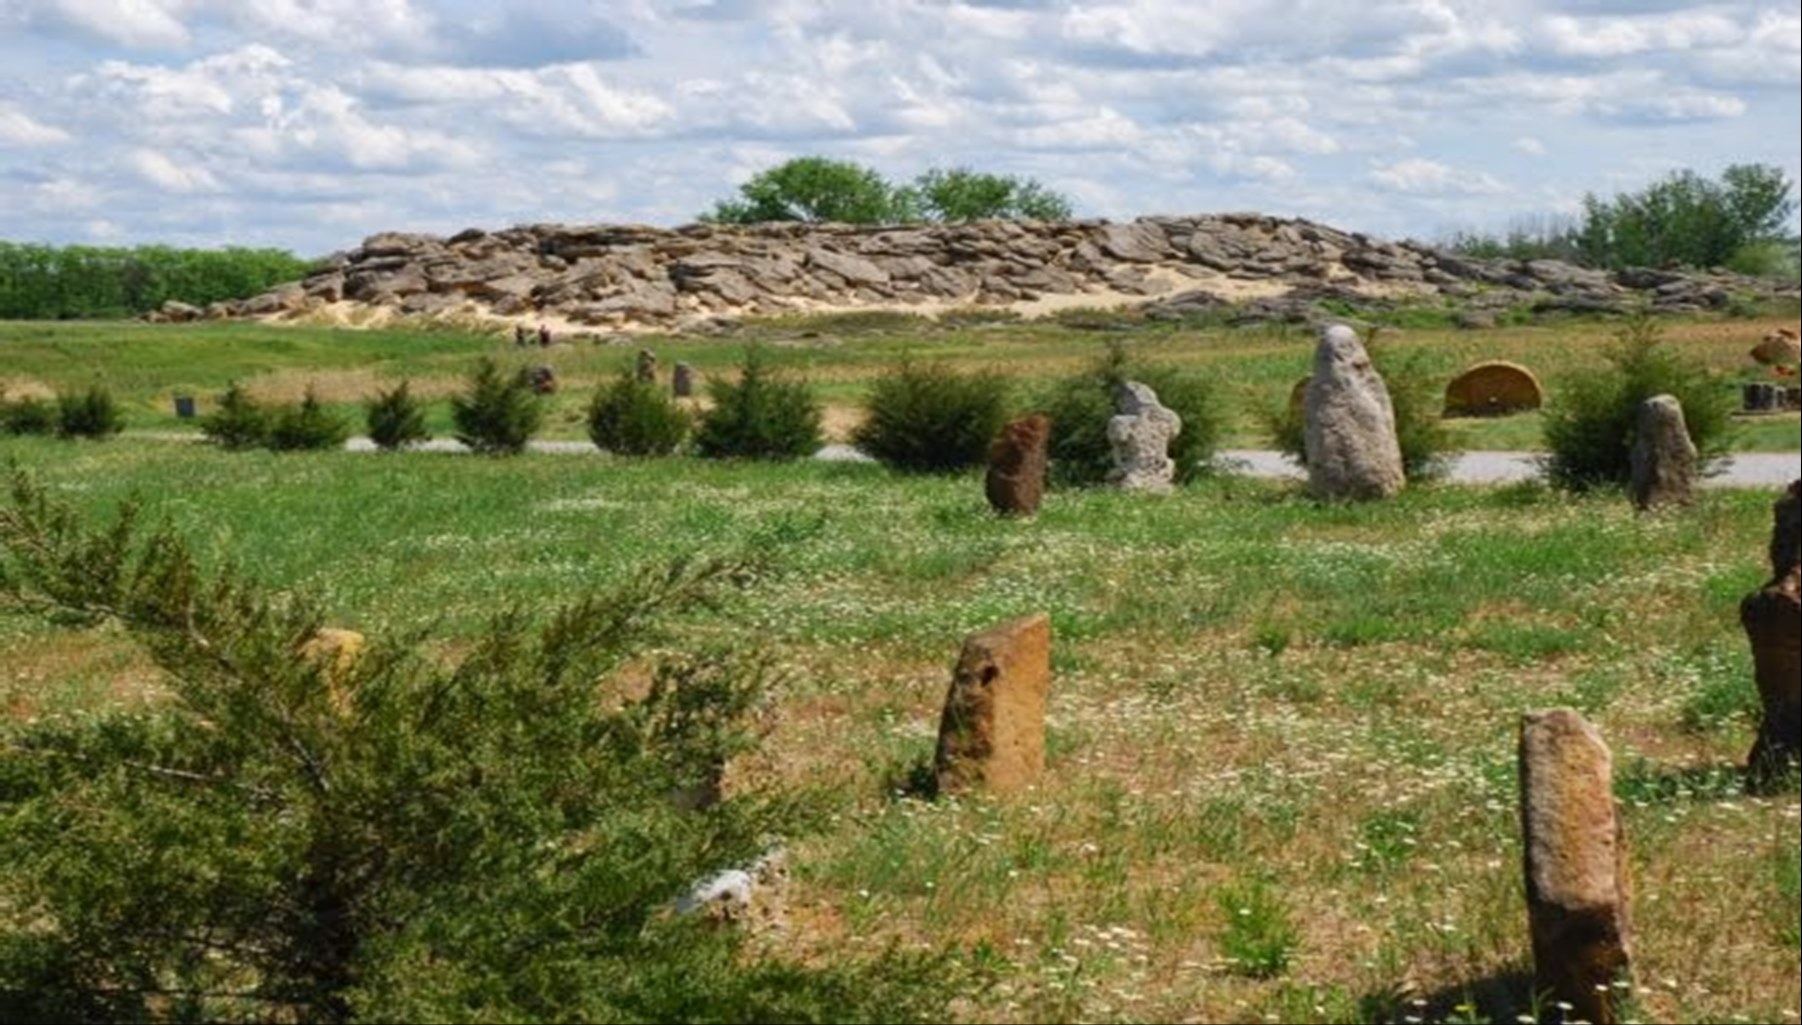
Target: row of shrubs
x,y
89,414
930,418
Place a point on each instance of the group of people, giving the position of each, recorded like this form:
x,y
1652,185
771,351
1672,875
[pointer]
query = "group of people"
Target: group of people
x,y
522,337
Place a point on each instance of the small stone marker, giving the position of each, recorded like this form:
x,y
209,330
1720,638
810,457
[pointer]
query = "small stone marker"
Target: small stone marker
x,y
1017,464
1352,449
1576,866
992,733
1140,435
1496,388
542,380
1665,463
647,366
184,407
1772,617
682,381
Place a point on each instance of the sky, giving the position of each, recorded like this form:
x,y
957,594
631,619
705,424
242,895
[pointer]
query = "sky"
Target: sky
x,y
309,124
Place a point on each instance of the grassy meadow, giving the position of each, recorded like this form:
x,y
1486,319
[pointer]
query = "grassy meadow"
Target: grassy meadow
x,y
145,365
1281,782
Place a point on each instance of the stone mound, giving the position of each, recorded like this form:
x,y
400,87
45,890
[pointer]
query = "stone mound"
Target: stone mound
x,y
1497,388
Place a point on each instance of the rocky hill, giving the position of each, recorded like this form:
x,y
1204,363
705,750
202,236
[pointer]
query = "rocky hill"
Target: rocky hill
x,y
622,278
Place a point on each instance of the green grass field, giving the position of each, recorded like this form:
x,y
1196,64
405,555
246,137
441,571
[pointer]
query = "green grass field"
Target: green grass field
x,y
146,365
1281,782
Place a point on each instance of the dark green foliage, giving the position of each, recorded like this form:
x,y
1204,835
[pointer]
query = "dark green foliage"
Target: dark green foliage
x,y
636,418
307,427
240,422
498,414
399,837
1590,422
961,194
1080,408
27,416
65,282
92,414
1418,397
816,189
759,416
1682,220
928,418
395,419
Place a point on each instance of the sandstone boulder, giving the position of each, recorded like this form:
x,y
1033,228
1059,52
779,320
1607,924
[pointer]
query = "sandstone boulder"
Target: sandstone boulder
x,y
1575,864
1665,463
683,380
1352,449
1496,388
1779,348
992,733
1018,462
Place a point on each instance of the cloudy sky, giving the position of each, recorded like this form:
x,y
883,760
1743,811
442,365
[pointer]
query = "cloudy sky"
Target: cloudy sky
x,y
308,124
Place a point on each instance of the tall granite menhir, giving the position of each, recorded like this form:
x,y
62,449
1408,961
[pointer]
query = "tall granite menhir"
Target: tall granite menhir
x,y
1353,454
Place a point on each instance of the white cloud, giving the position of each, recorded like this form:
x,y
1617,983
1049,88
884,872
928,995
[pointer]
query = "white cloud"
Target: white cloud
x,y
566,100
1431,178
171,176
1529,145
150,24
1625,36
18,128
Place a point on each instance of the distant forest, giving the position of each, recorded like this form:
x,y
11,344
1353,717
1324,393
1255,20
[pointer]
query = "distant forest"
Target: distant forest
x,y
43,282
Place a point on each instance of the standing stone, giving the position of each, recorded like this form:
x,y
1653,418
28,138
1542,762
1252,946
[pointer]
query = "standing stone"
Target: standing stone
x,y
1352,449
1773,620
1665,463
682,381
1140,436
1576,865
992,733
647,366
1017,465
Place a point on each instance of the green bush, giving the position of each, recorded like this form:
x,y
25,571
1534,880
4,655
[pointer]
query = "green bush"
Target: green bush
x,y
1260,937
395,419
307,427
1590,422
397,836
759,416
928,418
1080,408
92,414
631,417
1418,398
240,422
27,416
498,414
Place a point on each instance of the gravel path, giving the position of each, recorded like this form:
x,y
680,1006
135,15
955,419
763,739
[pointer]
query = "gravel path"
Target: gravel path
x,y
1745,470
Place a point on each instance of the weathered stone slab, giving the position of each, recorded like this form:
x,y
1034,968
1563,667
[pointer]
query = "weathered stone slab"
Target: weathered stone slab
x,y
992,733
1018,461
1666,465
1352,449
1576,865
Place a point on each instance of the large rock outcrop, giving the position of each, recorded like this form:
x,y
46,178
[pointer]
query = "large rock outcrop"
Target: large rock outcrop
x,y
622,277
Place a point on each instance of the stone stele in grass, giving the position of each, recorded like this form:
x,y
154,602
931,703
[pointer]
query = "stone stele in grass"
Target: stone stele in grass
x,y
1140,435
1353,454
992,733
1772,617
1576,866
1017,464
1665,463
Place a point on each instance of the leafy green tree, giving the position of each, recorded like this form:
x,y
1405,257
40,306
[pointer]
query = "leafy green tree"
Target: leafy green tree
x,y
961,194
498,414
1686,220
815,189
64,282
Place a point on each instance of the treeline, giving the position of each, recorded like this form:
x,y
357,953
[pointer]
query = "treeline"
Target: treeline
x,y
1739,221
44,282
